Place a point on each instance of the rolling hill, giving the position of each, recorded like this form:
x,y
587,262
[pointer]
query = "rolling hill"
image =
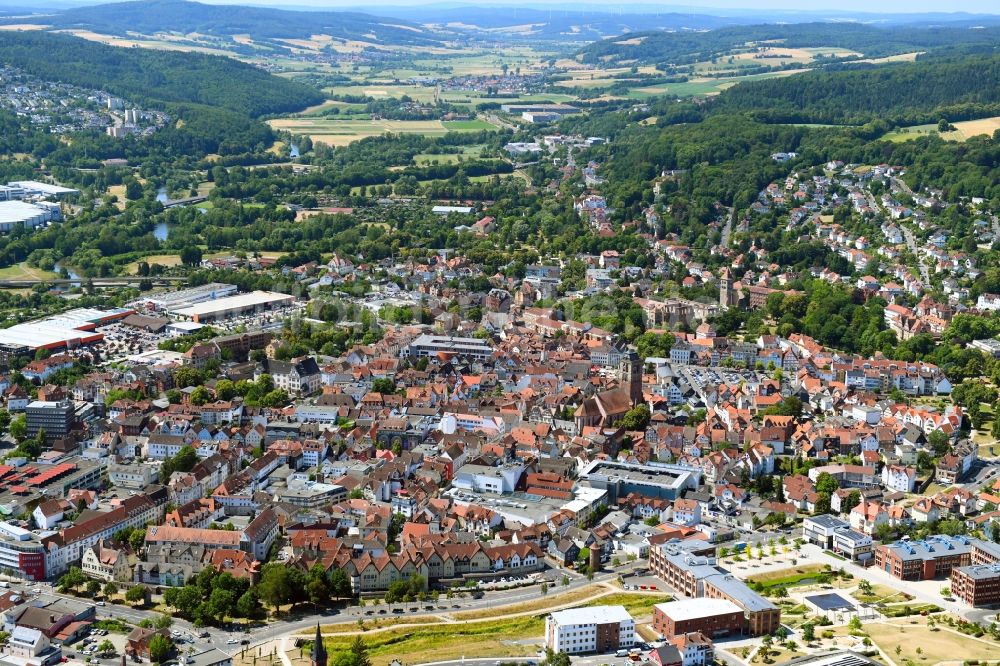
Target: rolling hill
x,y
151,76
956,88
182,16
684,48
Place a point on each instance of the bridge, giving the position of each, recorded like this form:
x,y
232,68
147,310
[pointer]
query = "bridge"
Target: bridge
x,y
186,201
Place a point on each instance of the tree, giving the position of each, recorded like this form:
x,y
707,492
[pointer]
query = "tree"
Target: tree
x,y
135,594
248,605
790,406
106,647
853,499
383,385
93,588
317,588
808,632
865,588
200,396
854,624
636,418
72,579
159,648
544,589
555,658
340,584
133,190
274,587
19,428
359,652
110,589
191,255
826,483
225,389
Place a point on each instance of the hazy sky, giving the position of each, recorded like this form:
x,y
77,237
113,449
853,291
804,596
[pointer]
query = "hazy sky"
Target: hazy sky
x,y
901,6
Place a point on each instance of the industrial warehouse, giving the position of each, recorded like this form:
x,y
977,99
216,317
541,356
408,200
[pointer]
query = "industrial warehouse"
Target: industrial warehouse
x,y
233,306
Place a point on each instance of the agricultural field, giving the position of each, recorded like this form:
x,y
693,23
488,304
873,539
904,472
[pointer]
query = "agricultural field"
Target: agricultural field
x,y
467,153
161,43
341,132
703,86
772,56
964,130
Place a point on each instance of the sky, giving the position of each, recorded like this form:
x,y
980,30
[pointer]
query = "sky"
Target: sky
x,y
884,6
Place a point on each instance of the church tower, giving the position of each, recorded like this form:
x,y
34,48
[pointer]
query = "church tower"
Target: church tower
x,y
725,288
630,376
318,655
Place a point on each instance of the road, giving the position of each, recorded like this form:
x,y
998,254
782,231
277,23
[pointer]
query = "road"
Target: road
x,y
911,243
228,639
727,230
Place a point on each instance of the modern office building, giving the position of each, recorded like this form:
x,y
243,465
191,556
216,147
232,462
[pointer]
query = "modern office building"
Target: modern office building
x,y
594,629
927,559
697,576
977,585
55,418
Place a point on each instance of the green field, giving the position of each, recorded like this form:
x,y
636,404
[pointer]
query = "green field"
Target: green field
x,y
702,87
23,271
963,131
513,637
467,153
335,131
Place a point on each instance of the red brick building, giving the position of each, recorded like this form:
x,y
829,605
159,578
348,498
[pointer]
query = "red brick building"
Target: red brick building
x,y
712,617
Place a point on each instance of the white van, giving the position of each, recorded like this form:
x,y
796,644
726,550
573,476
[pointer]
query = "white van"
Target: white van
x,y
621,653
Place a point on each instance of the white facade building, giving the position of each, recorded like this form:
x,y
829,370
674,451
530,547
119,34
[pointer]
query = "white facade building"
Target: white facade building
x,y
593,629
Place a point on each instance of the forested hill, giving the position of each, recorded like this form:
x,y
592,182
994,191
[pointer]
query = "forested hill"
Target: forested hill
x,y
904,93
155,77
153,16
680,48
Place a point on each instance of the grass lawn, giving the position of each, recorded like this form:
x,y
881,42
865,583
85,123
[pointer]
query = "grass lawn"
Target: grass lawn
x,y
637,605
467,153
934,646
376,622
789,576
883,594
552,600
516,637
474,125
23,271
776,655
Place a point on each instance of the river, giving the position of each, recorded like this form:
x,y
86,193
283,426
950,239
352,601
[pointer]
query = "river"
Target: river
x,y
73,275
161,231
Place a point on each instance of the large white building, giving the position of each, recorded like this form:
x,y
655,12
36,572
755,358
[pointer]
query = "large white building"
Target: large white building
x,y
594,629
16,214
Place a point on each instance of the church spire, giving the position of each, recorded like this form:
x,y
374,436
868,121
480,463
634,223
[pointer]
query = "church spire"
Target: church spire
x,y
318,655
